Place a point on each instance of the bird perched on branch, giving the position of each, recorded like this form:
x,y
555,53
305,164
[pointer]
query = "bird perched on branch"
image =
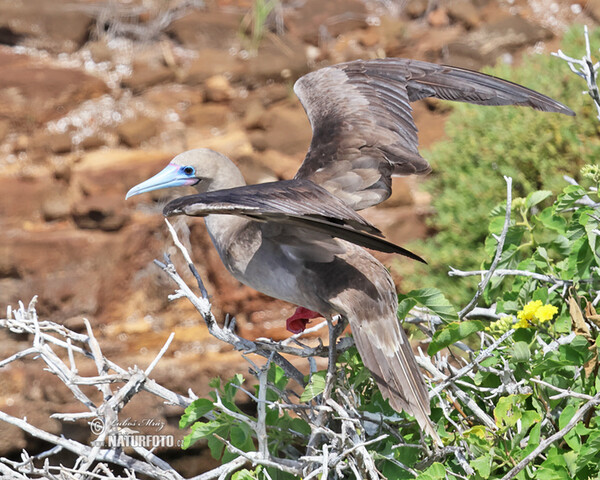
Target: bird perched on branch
x,y
301,240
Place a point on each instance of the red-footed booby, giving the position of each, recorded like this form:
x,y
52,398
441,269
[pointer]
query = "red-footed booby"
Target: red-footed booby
x,y
301,240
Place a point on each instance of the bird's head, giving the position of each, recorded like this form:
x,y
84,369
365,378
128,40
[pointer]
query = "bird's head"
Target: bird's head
x,y
202,168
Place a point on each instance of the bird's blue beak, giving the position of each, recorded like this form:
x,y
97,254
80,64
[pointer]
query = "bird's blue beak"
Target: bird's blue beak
x,y
171,176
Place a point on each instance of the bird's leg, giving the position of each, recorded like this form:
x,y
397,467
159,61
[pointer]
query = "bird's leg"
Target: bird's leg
x,y
340,326
297,322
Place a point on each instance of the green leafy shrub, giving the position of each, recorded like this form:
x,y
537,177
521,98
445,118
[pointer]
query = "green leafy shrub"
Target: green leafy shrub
x,y
484,143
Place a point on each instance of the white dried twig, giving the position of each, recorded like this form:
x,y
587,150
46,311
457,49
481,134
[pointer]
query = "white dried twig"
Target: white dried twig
x,y
586,69
499,248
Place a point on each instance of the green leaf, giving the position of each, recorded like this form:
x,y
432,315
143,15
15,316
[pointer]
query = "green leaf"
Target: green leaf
x,y
520,352
315,387
541,294
536,197
436,471
405,305
581,429
243,475
550,220
300,426
391,470
200,430
277,376
195,410
216,446
529,418
570,195
591,227
452,333
508,411
434,300
231,386
575,353
241,437
483,465
534,436
571,438
580,258
590,450
566,416
553,473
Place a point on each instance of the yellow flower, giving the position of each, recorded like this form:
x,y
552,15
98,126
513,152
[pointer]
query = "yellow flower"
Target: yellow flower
x,y
529,310
523,323
545,313
535,313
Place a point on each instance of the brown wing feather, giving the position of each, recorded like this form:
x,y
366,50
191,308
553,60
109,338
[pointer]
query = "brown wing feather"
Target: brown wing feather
x,y
294,203
363,130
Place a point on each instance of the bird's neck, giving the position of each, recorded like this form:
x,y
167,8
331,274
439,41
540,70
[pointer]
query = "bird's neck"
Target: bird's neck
x,y
227,176
224,229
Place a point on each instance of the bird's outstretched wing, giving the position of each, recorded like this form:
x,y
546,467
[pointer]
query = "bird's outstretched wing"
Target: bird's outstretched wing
x,y
363,130
298,203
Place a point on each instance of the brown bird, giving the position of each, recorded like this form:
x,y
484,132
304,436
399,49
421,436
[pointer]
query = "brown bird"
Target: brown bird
x,y
300,240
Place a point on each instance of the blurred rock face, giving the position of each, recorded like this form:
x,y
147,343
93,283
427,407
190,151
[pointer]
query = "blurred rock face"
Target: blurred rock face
x,y
96,97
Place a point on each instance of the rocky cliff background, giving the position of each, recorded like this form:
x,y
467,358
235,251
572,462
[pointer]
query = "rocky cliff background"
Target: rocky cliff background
x,y
98,96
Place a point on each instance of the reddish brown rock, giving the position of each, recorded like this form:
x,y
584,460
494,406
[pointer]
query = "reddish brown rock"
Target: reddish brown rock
x,y
218,89
438,18
333,16
22,196
258,139
211,115
106,212
32,93
106,172
172,98
490,41
254,112
147,74
465,12
199,30
210,62
401,194
100,51
4,129
57,206
283,166
59,26
288,129
255,169
416,8
53,142
282,59
133,132
58,271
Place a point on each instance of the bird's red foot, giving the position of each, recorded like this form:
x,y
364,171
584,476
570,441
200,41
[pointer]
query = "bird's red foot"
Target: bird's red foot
x,y
297,322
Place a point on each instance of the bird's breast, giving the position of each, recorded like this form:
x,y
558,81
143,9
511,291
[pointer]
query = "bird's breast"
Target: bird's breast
x,y
255,260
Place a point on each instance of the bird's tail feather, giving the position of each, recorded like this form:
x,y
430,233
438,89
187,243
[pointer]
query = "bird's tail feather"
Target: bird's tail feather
x,y
390,359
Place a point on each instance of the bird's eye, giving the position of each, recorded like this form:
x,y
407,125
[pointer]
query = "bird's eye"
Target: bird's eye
x,y
188,170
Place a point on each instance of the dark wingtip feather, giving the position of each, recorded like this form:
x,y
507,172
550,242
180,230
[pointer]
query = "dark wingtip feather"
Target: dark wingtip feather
x,y
174,207
409,254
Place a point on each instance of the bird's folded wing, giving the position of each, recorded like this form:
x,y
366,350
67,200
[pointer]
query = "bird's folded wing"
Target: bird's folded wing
x,y
298,203
363,130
